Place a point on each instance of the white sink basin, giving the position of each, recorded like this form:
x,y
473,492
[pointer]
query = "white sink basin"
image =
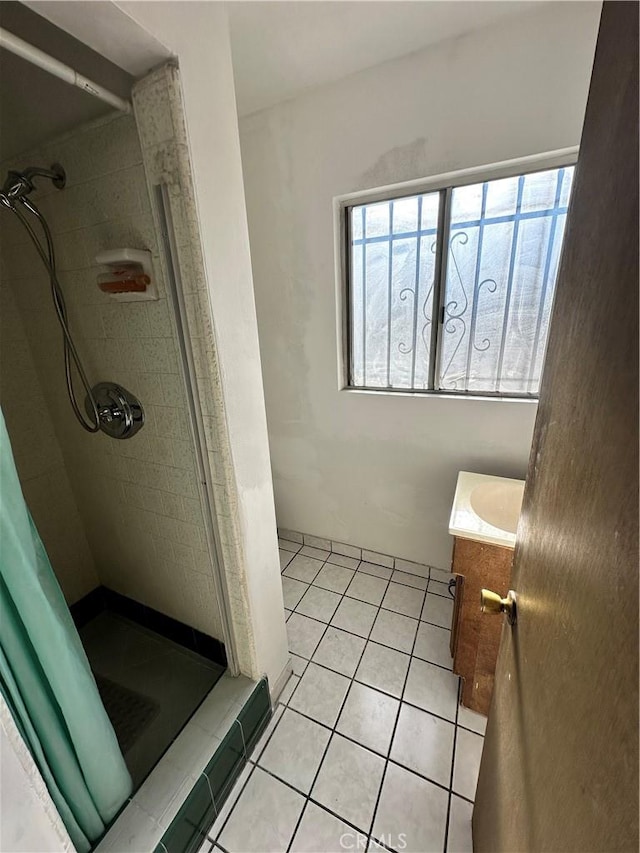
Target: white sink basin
x,y
486,508
498,504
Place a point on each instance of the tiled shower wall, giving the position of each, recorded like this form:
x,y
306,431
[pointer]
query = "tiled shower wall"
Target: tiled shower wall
x,y
139,499
38,456
157,100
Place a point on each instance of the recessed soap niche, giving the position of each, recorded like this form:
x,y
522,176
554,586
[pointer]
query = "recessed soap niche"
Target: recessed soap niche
x,y
128,275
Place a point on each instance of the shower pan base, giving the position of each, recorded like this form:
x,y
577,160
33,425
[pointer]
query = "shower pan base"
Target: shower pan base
x,y
150,686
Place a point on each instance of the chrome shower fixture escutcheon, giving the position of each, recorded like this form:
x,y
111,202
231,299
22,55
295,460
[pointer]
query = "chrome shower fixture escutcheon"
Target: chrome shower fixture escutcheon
x,y
109,407
119,412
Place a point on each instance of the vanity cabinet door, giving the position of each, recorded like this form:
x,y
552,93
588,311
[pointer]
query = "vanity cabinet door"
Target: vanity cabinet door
x,y
476,638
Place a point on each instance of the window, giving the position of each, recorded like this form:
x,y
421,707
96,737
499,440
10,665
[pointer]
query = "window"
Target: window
x,y
451,291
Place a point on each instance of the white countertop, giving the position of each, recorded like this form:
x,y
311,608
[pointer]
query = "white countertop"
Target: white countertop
x,y
481,499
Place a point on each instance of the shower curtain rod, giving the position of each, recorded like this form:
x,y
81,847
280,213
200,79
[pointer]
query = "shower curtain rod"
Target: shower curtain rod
x,y
59,69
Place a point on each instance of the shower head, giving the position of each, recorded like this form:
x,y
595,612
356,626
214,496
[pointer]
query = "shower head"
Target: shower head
x,y
20,184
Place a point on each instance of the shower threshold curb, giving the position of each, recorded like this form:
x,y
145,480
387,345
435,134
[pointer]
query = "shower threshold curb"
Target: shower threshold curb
x,y
178,802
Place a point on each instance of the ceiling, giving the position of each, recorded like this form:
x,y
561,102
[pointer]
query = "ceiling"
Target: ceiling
x,y
34,105
282,48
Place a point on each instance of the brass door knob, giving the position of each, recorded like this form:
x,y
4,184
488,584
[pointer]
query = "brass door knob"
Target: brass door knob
x,y
491,602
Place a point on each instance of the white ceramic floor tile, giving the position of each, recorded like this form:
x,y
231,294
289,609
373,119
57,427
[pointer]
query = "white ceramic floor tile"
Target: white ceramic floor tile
x,y
285,558
354,616
205,847
395,630
410,580
472,720
346,550
288,545
299,664
334,578
320,694
342,560
295,750
440,575
403,599
367,588
318,604
412,813
424,743
303,568
376,571
432,689
316,553
438,588
432,644
437,610
459,836
411,568
317,542
377,558
266,734
321,832
340,651
467,763
383,668
288,689
290,535
369,716
264,818
230,802
304,635
349,781
292,591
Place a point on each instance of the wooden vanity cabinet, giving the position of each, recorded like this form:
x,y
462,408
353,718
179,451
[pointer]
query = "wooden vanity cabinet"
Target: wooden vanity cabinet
x,y
475,636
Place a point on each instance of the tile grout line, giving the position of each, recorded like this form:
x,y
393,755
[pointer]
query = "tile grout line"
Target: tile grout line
x,y
352,679
364,572
382,755
361,572
240,793
322,564
378,607
330,550
395,726
453,764
337,719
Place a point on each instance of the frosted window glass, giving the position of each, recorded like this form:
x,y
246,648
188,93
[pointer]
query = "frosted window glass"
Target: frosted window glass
x,y
496,294
391,291
501,272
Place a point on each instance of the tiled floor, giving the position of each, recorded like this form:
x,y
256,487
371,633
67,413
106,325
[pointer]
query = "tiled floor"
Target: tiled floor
x,y
368,748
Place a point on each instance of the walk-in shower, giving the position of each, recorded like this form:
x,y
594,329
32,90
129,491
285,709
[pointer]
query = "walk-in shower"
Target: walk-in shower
x,y
108,406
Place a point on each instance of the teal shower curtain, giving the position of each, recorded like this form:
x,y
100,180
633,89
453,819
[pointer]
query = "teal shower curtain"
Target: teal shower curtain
x,y
45,676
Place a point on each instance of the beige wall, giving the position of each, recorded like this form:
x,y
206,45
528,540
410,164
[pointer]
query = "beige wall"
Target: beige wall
x,y
38,456
139,499
379,470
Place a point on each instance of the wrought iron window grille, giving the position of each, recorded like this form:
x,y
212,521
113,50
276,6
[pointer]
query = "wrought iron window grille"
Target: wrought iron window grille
x,y
469,320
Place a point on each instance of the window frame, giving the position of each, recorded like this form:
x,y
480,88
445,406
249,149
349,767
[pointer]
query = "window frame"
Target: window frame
x,y
444,184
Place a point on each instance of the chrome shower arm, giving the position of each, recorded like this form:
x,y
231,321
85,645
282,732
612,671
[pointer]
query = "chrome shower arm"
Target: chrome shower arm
x,y
20,184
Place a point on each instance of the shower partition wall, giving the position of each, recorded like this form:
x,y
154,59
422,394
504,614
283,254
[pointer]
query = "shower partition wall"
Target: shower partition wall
x,y
158,107
126,523
139,499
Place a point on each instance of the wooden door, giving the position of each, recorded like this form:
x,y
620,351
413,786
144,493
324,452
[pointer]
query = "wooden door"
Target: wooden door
x,y
559,770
